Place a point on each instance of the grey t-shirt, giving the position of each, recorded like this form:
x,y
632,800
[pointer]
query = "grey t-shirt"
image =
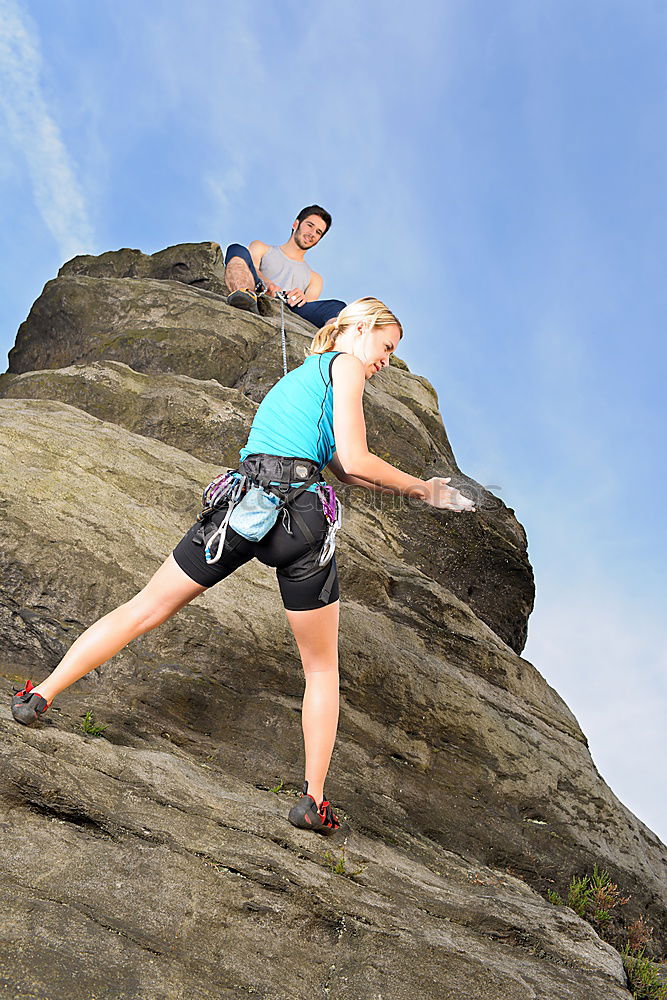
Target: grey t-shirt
x,y
287,274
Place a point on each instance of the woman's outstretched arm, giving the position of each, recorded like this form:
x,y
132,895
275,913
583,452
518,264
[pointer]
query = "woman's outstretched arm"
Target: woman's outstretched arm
x,y
353,456
340,474
349,380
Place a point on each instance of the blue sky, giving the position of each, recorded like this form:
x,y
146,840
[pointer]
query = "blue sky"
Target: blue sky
x,y
496,174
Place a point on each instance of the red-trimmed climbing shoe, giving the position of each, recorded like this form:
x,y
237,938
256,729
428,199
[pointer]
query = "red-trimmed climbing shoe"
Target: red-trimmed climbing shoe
x,y
306,814
28,706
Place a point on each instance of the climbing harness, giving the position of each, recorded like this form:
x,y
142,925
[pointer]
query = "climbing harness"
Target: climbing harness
x,y
255,495
334,515
230,494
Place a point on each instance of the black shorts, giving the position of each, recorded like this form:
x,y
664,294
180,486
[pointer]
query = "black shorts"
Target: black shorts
x,y
288,553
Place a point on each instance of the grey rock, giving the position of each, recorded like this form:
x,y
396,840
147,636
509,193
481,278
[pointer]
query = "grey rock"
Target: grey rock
x,y
204,418
164,877
447,738
197,264
163,327
464,782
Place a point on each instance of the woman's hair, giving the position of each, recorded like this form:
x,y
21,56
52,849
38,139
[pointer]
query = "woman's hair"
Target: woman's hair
x,y
367,310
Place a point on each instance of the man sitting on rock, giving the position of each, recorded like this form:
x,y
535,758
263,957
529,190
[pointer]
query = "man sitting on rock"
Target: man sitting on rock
x,y
260,268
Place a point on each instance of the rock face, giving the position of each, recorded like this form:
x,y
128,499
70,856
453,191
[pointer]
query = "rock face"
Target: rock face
x,y
168,328
204,418
197,264
465,780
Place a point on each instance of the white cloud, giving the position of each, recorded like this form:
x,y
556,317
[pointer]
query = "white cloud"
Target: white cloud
x,y
224,187
293,110
35,134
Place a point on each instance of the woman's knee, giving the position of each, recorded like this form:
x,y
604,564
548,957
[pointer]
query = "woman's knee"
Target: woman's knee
x,y
318,665
143,613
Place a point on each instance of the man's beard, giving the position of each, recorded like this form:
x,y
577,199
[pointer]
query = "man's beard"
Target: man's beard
x,y
299,240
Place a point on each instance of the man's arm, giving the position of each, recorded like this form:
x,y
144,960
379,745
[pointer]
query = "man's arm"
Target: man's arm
x,y
257,249
314,287
296,297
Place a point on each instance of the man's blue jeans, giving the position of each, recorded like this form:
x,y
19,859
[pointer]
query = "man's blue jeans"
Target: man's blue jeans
x,y
318,312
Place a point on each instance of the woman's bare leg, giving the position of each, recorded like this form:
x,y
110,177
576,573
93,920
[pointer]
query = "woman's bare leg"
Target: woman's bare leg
x,y
167,592
316,634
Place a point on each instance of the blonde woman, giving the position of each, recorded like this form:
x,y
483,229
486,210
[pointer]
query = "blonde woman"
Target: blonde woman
x,y
313,417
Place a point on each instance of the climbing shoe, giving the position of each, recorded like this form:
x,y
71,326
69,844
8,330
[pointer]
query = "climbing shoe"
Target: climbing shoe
x,y
308,816
243,299
28,706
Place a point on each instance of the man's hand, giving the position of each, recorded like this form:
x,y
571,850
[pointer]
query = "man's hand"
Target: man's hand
x,y
445,497
296,297
271,288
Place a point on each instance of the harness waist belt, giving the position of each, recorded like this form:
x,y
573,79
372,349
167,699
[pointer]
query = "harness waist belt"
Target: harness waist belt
x,y
280,472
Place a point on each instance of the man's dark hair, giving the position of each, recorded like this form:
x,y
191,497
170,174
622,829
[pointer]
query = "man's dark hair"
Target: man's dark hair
x,y
315,210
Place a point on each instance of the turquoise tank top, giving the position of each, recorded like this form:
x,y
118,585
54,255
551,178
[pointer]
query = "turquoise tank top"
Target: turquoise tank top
x,y
295,418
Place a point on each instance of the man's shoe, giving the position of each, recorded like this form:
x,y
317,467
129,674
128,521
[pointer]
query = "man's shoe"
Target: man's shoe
x,y
306,814
243,299
27,707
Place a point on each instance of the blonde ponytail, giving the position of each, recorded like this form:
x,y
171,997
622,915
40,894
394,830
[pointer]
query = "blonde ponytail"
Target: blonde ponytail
x,y
325,338
367,310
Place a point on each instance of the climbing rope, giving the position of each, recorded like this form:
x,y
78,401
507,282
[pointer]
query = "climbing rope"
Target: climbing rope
x,y
283,298
282,331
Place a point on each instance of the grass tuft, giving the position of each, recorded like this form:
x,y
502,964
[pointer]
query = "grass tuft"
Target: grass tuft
x,y
642,975
338,865
90,727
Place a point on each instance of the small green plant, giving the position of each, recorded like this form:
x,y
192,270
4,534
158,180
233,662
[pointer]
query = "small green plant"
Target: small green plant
x,y
642,975
278,787
338,864
90,726
594,896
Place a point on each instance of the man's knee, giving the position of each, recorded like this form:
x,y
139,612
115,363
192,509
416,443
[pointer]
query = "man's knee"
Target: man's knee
x,y
335,306
237,250
319,312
